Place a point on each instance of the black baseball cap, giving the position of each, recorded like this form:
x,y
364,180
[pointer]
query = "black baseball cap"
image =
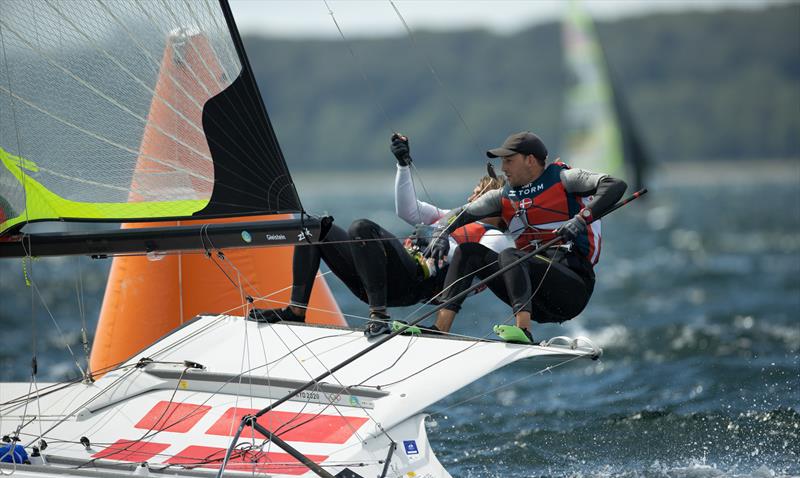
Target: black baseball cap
x,y
523,142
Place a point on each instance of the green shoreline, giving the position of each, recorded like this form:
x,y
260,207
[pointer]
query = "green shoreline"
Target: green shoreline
x,y
694,173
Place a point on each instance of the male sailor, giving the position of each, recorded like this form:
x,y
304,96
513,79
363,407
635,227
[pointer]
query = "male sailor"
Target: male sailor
x,y
539,202
376,266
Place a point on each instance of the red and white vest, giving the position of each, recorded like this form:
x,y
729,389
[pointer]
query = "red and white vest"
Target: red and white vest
x,y
535,210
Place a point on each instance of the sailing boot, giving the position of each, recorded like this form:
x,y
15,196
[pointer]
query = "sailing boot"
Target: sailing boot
x,y
514,334
273,316
378,324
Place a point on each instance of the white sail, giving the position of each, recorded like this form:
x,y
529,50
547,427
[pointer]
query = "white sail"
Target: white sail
x,y
597,131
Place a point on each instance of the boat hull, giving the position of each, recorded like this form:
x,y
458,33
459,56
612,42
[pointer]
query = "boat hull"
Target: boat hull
x,y
177,405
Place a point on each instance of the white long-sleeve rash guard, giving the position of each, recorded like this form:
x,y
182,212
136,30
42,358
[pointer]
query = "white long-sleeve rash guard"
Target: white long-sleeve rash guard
x,y
413,211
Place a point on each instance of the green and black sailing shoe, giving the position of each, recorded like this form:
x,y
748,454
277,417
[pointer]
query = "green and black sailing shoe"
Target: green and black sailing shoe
x,y
514,334
406,329
273,316
378,324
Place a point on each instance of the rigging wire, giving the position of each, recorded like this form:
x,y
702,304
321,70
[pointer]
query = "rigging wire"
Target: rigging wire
x,y
434,73
82,313
147,435
506,321
376,100
87,402
360,67
60,333
27,260
300,362
549,368
59,15
245,303
441,84
223,258
279,430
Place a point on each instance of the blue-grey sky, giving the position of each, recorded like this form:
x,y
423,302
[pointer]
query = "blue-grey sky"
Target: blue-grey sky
x,y
311,18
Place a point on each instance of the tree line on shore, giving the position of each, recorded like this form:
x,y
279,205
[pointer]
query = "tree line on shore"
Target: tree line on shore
x,y
699,85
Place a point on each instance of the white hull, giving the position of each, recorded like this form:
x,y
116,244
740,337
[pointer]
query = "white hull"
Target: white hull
x,y
180,420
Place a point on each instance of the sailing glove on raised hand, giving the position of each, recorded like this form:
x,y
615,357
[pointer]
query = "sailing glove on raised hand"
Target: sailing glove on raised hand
x,y
400,149
572,228
439,245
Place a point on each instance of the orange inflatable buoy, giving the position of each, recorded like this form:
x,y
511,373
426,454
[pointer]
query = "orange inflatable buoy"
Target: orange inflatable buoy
x,y
146,299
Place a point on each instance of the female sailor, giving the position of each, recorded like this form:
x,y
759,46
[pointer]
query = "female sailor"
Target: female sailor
x,y
376,266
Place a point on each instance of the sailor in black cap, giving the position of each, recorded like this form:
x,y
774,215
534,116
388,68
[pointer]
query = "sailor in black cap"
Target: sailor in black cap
x,y
539,202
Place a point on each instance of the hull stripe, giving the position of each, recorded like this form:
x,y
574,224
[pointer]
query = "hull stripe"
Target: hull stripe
x,y
173,417
246,461
130,450
310,427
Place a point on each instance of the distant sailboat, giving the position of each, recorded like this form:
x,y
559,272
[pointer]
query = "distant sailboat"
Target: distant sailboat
x,y
599,133
148,111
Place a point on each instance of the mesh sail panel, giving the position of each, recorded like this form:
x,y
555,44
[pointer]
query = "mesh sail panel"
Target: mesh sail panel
x,y
122,110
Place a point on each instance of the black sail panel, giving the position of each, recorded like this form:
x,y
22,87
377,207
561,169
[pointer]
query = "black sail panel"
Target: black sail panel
x,y
241,136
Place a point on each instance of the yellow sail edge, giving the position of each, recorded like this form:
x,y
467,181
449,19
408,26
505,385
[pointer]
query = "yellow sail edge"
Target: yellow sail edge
x,y
42,204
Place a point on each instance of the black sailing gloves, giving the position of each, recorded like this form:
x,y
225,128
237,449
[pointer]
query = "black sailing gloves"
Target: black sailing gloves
x,y
572,228
400,149
439,246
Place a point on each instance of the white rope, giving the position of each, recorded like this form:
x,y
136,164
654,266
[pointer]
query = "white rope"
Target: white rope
x,y
300,362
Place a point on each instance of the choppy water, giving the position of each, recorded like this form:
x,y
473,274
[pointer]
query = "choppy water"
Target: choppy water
x,y
696,307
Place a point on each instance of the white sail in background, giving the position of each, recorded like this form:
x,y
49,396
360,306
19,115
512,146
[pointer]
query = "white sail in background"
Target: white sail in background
x,y
598,134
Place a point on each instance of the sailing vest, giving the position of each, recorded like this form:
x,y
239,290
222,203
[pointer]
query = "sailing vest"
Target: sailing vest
x,y
535,210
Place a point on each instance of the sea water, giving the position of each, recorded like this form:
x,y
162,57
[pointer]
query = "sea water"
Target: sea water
x,y
696,307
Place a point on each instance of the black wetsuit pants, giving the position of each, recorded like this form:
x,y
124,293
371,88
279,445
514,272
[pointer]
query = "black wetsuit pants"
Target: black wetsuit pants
x,y
371,262
553,287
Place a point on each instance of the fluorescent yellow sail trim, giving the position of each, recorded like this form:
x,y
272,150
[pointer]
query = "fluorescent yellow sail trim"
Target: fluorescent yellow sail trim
x,y
42,203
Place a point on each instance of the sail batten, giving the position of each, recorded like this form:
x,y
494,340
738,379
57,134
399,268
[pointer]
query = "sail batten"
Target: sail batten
x,y
127,106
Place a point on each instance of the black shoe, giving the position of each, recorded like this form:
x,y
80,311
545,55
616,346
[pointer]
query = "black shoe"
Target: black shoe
x,y
378,324
431,330
273,316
